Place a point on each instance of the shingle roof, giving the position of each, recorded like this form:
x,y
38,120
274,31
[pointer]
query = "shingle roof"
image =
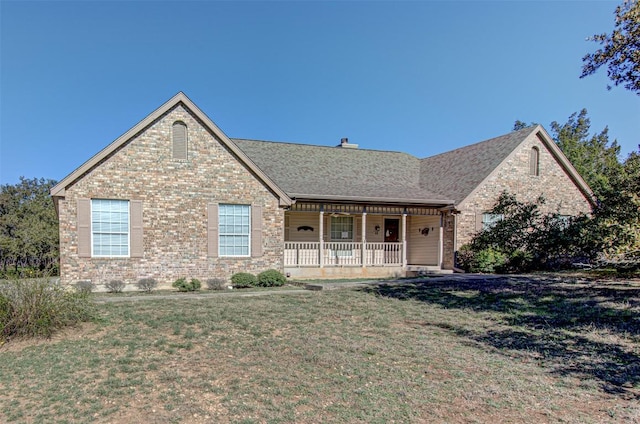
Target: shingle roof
x,y
307,171
314,172
458,172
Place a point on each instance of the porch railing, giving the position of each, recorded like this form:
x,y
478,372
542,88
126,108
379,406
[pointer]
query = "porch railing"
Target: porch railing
x,y
301,254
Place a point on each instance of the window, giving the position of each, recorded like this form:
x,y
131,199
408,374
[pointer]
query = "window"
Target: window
x,y
564,221
341,228
489,220
109,227
179,137
534,162
234,230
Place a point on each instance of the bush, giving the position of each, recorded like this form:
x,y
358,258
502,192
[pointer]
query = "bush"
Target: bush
x,y
39,307
147,284
271,278
182,285
85,286
519,261
216,284
244,279
488,261
464,257
115,286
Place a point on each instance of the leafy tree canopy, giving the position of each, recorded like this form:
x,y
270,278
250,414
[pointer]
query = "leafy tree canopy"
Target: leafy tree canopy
x,y
617,218
28,225
519,125
620,50
594,157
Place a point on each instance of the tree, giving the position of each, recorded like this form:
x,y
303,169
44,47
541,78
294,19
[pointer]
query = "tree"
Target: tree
x,y
615,227
525,239
620,50
593,156
28,226
519,125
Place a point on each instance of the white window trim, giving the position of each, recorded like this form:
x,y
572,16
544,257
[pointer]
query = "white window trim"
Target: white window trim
x,y
128,255
353,232
220,234
345,253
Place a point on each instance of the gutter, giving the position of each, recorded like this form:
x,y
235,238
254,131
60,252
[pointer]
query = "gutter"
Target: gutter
x,y
438,203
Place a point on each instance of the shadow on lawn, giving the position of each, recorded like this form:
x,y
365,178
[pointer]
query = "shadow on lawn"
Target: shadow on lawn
x,y
552,317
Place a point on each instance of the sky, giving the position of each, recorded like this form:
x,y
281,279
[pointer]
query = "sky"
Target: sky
x,y
421,77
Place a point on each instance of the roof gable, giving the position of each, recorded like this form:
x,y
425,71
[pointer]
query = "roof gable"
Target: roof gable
x,y
461,172
59,189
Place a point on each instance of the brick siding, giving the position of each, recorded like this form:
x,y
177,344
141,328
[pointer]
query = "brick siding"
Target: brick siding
x,y
560,192
174,195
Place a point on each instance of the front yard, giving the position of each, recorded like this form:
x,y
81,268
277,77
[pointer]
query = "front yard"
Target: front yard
x,y
504,350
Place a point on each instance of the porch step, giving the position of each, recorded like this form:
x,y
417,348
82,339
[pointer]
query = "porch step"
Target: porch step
x,y
420,270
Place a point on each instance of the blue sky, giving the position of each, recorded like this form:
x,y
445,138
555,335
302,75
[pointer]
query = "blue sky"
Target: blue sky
x,y
421,77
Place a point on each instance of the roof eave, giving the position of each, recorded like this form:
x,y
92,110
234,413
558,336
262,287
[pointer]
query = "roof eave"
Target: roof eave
x,y
435,203
542,134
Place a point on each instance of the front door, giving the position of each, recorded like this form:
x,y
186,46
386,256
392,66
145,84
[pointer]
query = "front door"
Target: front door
x,y
391,230
391,235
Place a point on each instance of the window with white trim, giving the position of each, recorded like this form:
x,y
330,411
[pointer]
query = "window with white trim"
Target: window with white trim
x,y
235,230
341,228
489,220
110,228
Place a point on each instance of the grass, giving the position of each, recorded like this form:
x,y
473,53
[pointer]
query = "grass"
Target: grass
x,y
513,349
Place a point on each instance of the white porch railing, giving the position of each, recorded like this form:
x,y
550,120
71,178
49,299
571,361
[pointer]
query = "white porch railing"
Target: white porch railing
x,y
301,254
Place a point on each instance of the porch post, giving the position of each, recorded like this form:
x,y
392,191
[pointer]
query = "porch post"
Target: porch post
x,y
404,239
363,255
440,241
321,232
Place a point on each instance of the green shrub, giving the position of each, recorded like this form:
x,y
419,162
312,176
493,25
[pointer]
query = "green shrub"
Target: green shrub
x,y
243,279
271,278
115,286
196,284
216,284
185,286
147,284
488,261
39,307
519,261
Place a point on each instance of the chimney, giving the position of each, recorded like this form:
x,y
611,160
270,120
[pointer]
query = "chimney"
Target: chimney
x,y
344,143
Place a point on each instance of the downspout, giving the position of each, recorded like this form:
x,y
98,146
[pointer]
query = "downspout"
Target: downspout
x,y
440,241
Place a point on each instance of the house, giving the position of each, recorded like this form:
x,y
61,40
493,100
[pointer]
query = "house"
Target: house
x,y
176,197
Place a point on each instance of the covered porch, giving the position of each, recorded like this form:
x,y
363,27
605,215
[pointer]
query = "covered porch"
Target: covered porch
x,y
324,240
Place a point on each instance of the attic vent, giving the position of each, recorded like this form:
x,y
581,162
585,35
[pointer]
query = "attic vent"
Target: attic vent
x,y
534,162
344,142
179,135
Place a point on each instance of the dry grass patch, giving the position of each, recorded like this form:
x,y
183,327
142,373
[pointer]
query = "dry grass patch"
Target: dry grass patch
x,y
503,351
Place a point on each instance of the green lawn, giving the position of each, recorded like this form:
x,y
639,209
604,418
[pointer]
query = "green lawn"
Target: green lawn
x,y
508,350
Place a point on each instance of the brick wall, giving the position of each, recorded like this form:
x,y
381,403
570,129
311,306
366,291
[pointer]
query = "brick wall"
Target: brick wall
x,y
174,195
553,183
